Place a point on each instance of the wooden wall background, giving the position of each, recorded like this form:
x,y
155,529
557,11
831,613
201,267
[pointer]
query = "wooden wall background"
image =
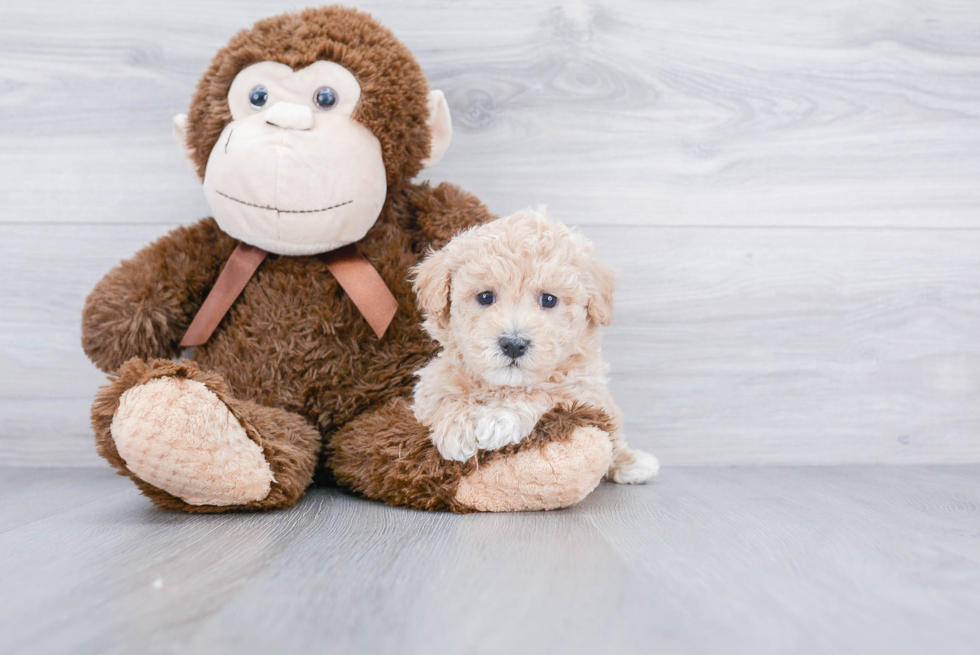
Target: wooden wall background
x,y
789,190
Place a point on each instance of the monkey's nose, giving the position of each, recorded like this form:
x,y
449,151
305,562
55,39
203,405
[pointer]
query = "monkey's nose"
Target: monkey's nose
x,y
290,116
514,347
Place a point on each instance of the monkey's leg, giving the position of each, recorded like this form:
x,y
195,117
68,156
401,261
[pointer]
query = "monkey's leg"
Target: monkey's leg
x,y
386,455
188,444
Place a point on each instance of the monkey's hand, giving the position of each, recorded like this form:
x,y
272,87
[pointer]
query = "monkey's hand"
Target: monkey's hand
x,y
142,307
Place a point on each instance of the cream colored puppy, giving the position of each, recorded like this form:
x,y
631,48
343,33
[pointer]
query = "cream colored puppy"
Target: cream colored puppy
x,y
516,305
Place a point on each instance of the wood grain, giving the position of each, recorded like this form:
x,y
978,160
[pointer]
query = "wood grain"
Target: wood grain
x,y
729,346
613,112
789,190
750,560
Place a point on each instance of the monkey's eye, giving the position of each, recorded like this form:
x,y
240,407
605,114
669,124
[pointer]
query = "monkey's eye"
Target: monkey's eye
x,y
325,97
547,300
258,97
485,298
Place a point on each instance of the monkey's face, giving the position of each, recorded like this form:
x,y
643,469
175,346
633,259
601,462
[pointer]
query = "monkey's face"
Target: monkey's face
x,y
293,173
295,148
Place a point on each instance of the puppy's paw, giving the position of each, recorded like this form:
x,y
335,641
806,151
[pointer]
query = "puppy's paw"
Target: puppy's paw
x,y
455,440
636,467
457,449
497,429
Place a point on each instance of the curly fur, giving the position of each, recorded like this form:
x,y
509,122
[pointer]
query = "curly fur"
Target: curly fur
x,y
472,395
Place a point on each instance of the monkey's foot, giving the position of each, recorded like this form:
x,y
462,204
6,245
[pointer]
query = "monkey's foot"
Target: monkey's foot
x,y
387,455
557,474
177,435
184,439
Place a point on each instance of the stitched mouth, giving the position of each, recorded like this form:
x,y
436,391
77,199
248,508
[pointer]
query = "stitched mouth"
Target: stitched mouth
x,y
283,211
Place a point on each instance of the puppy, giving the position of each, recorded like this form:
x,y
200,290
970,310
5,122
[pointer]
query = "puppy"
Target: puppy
x,y
516,305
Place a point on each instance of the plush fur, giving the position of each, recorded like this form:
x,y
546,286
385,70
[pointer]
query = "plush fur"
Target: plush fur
x,y
387,455
293,361
473,395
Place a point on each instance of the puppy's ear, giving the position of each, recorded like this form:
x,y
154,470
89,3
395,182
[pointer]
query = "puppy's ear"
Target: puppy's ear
x,y
431,283
600,307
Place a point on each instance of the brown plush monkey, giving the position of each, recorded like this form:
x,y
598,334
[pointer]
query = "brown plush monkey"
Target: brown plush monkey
x,y
306,130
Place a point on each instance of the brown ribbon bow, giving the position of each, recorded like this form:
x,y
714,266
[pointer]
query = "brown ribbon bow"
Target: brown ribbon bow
x,y
353,272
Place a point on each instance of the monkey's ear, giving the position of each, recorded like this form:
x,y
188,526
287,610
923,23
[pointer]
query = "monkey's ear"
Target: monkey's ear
x,y
432,281
180,131
600,307
441,126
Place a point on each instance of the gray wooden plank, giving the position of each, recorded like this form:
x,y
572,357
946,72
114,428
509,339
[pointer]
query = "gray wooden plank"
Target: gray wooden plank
x,y
886,555
119,559
760,560
729,346
48,432
625,111
853,346
31,495
46,272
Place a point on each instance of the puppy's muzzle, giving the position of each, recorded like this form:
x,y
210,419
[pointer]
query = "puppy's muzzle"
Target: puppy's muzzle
x,y
514,347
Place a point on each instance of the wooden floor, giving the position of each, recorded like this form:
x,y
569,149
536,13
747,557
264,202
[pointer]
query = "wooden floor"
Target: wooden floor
x,y
704,560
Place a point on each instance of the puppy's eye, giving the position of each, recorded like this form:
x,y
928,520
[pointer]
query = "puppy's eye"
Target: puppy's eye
x,y
547,300
258,97
485,298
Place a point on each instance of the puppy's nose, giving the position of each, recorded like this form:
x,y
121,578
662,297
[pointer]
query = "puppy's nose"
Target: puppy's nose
x,y
513,347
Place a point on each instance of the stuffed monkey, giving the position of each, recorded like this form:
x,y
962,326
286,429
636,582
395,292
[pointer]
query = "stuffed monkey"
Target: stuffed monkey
x,y
306,130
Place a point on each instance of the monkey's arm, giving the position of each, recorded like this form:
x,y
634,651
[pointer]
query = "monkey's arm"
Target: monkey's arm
x,y
142,307
443,211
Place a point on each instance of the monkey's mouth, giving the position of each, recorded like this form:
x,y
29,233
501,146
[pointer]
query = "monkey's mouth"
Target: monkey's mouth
x,y
283,211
